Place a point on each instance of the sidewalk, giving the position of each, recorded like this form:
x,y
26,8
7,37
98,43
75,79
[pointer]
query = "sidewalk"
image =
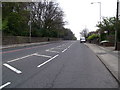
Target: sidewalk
x,y
108,56
22,45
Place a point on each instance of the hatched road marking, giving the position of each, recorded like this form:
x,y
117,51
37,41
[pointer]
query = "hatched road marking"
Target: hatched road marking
x,y
21,58
64,50
12,68
52,51
42,55
5,85
47,61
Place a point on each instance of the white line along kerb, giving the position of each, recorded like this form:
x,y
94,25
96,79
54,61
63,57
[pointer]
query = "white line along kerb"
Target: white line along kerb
x,y
12,68
5,85
47,61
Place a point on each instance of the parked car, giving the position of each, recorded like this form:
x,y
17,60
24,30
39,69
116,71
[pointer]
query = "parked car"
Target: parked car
x,y
82,40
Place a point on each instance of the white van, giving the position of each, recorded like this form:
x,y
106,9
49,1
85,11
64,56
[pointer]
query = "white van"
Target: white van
x,y
82,39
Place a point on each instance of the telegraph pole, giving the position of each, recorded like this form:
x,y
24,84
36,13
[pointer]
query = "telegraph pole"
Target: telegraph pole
x,y
116,29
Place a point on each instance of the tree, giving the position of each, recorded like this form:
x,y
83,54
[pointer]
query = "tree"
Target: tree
x,y
15,18
46,19
108,24
84,32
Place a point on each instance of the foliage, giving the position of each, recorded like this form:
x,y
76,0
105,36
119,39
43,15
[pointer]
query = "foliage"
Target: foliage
x,y
109,25
93,36
46,19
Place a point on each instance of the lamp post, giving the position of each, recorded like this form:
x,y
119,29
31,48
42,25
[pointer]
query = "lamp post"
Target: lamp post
x,y
100,8
99,16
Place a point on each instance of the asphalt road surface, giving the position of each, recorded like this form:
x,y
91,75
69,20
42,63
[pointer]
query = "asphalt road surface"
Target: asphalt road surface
x,y
66,64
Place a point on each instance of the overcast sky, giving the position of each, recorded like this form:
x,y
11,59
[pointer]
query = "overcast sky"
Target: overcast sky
x,y
81,13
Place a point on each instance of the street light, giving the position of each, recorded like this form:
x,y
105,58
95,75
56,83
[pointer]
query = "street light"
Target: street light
x,y
99,16
100,8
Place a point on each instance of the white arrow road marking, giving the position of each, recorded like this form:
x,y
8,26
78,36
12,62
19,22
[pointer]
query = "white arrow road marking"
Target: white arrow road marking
x,y
5,85
47,61
12,68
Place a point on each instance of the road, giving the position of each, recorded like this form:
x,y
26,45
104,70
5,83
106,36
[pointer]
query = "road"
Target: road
x,y
66,64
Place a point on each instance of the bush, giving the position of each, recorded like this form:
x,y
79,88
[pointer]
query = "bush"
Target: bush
x,y
93,36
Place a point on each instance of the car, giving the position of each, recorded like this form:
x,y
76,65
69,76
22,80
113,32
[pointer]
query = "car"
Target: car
x,y
82,40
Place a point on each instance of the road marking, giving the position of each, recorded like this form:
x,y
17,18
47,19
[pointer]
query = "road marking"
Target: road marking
x,y
42,55
52,51
12,68
51,48
21,58
67,48
5,85
58,48
64,50
70,45
47,61
21,49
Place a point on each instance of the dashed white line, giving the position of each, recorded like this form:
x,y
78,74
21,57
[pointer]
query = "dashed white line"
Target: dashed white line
x,y
5,85
12,68
47,61
42,55
21,58
64,50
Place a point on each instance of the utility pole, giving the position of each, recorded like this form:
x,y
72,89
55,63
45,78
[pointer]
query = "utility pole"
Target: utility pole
x,y
30,27
29,23
116,28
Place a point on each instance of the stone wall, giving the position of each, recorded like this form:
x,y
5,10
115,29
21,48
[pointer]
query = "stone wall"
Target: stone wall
x,y
8,40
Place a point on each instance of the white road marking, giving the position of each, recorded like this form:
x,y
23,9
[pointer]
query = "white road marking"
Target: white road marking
x,y
21,58
5,85
52,51
47,61
67,48
42,55
64,50
52,48
70,45
58,48
12,68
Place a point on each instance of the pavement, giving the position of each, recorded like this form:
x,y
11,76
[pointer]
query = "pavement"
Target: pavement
x,y
109,58
25,44
65,64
